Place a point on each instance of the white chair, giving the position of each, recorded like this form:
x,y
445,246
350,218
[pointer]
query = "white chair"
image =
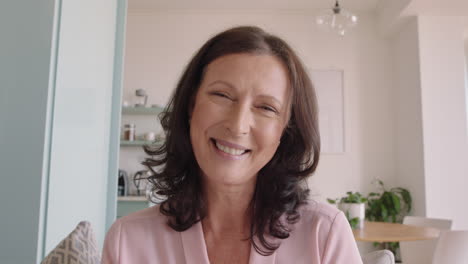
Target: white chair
x,y
421,252
379,257
452,247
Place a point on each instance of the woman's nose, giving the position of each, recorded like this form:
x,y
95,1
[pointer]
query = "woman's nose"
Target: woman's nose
x,y
239,121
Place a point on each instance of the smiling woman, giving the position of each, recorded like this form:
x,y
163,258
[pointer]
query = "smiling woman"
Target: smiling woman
x,y
245,120
241,139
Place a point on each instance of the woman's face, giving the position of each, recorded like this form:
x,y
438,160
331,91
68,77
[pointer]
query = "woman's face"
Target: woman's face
x,y
239,114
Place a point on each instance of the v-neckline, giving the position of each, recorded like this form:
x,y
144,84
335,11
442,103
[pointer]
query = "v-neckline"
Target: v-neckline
x,y
195,251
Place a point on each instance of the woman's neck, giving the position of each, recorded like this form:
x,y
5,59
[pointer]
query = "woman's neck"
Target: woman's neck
x,y
228,209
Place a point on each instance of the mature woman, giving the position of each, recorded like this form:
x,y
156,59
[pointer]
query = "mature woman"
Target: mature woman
x,y
241,139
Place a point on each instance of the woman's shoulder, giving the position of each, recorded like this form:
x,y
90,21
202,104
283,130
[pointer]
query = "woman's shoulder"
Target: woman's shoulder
x,y
319,217
150,213
322,235
148,218
314,211
141,226
146,227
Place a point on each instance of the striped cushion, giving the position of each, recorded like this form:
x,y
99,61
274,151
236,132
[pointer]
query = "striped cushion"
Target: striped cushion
x,y
78,247
379,257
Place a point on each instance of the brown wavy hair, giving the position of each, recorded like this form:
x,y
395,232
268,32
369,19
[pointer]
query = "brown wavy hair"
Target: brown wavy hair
x,y
280,187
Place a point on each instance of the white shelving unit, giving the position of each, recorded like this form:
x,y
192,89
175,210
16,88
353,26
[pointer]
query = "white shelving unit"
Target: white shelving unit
x,y
131,153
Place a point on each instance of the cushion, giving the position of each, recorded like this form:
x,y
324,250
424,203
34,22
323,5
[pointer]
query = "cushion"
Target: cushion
x,y
379,257
78,247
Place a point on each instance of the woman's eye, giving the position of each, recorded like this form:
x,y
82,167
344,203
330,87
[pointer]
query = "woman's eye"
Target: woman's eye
x,y
268,108
221,95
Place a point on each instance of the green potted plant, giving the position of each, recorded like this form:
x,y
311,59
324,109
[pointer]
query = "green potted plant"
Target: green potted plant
x,y
353,205
388,205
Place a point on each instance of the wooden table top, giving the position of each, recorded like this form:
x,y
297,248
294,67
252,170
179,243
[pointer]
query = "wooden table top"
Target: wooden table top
x,y
392,232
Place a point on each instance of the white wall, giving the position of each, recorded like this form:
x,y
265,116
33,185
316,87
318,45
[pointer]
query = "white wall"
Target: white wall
x,y
160,43
466,70
431,115
408,125
444,114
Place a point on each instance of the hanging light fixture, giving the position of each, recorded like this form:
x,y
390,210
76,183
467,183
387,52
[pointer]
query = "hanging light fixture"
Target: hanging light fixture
x,y
336,19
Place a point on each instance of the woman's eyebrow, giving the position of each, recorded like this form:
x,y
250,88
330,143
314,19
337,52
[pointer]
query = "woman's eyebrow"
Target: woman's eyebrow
x,y
271,97
221,82
265,96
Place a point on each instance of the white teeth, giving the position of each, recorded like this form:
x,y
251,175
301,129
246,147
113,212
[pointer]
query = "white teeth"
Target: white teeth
x,y
229,150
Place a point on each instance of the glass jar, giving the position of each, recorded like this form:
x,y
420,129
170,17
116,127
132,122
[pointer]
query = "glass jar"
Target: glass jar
x,y
129,132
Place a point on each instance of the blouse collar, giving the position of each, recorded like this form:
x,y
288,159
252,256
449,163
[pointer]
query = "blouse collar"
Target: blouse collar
x,y
195,251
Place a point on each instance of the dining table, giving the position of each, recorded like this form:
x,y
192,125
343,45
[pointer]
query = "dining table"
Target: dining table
x,y
393,232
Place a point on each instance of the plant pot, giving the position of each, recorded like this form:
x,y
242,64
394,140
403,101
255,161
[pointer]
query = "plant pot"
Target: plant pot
x,y
354,210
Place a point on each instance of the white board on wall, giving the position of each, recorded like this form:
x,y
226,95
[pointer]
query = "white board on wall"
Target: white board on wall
x,y
329,88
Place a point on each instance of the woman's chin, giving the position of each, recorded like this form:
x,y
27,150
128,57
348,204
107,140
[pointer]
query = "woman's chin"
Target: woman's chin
x,y
234,178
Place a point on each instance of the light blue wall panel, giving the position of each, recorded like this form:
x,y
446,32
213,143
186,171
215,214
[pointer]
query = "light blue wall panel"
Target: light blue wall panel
x,y
114,144
58,87
26,29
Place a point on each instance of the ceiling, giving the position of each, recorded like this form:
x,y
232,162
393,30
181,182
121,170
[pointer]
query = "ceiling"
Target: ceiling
x,y
355,5
438,7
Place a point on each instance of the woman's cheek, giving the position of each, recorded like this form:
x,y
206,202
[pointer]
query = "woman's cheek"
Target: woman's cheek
x,y
270,135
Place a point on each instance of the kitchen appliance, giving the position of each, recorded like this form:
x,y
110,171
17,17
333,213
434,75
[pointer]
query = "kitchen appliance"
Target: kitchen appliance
x,y
122,183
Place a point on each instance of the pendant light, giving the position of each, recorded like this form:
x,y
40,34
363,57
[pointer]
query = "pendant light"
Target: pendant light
x,y
336,19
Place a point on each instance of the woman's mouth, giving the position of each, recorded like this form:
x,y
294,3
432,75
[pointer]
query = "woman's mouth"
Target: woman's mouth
x,y
229,149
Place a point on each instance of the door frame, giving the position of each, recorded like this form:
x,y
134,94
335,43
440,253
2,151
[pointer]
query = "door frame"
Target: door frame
x,y
116,111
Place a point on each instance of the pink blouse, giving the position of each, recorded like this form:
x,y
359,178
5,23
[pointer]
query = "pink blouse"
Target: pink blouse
x,y
322,235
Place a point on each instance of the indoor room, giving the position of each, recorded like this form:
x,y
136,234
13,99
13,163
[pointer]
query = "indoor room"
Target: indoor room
x,y
390,79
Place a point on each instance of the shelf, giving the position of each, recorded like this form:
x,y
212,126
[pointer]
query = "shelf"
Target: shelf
x,y
130,204
140,110
138,143
132,199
